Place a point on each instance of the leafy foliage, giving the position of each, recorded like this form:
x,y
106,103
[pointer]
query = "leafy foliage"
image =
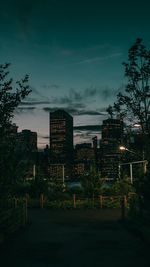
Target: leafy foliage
x,y
135,102
11,95
92,182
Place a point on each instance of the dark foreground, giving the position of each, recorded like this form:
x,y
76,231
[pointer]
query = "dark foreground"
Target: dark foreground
x,y
74,238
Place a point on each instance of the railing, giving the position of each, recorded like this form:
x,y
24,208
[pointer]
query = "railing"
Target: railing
x,y
78,202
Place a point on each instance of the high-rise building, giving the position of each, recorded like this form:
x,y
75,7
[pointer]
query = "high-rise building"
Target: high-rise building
x,y
112,131
26,141
8,136
84,155
61,141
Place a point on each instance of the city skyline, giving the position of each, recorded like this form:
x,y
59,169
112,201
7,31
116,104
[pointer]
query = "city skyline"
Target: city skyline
x,y
73,52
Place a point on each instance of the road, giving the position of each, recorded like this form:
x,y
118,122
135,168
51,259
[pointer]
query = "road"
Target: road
x,y
83,238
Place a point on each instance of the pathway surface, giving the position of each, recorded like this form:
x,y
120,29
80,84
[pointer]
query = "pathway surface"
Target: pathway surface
x,y
74,238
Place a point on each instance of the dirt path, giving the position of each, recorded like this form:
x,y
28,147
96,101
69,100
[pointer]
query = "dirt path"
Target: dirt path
x,y
74,238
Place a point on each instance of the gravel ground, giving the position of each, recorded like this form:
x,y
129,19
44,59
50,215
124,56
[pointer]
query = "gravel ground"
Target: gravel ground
x,y
84,238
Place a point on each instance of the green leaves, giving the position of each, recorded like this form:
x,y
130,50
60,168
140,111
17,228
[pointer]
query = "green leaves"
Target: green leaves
x,y
10,95
134,102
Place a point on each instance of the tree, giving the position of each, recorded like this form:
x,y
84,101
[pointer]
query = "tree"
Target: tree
x,y
11,95
110,111
135,102
92,182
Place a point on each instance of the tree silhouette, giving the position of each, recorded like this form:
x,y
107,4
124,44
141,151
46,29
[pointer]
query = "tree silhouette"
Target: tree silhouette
x,y
11,95
135,102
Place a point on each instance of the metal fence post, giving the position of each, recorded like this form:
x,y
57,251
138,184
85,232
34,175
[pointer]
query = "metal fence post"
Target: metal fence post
x,y
42,201
74,201
101,201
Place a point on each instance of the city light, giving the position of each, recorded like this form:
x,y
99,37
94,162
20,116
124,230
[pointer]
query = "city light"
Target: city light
x,y
123,148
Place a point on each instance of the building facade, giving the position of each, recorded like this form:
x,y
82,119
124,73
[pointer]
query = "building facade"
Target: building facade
x,y
26,142
84,155
61,143
112,132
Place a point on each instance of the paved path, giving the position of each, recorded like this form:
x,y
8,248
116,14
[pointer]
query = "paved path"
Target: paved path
x,y
74,238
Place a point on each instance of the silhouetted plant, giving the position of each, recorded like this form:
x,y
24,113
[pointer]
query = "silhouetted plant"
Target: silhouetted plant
x,y
92,183
11,95
134,103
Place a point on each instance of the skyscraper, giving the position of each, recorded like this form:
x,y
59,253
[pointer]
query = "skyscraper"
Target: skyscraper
x,y
26,141
112,131
61,139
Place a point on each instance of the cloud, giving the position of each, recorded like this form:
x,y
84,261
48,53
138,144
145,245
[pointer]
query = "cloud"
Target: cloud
x,y
75,96
46,86
43,136
88,128
20,110
36,92
89,112
98,47
28,103
95,59
74,111
26,108
69,110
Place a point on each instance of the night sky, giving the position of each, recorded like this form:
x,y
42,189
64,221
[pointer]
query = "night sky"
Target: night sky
x,y
73,52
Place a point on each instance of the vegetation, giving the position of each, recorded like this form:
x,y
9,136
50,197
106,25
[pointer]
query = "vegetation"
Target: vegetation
x,y
11,95
120,187
92,183
134,103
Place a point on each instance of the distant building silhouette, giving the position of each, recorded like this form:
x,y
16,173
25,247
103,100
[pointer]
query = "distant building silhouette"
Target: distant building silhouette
x,y
61,143
26,142
84,154
112,131
9,134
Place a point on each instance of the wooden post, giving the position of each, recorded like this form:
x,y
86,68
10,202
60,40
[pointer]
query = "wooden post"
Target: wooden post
x,y
42,201
74,201
101,201
124,204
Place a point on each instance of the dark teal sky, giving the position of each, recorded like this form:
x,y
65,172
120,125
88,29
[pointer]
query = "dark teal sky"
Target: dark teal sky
x,y
73,52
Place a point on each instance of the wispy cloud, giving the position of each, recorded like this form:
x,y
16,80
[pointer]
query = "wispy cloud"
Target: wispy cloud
x,y
88,128
75,96
26,108
75,111
46,86
32,103
94,59
20,110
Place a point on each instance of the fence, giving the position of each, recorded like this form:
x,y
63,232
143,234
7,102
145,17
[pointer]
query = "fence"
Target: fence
x,y
13,216
78,202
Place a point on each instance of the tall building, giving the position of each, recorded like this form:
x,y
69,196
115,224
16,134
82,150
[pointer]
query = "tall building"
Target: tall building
x,y
84,155
61,142
26,141
8,136
112,131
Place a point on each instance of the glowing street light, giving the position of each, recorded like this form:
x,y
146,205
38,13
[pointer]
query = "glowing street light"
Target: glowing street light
x,y
125,148
137,124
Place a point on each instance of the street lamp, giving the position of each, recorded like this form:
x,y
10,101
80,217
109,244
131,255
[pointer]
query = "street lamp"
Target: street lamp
x,y
126,149
145,162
